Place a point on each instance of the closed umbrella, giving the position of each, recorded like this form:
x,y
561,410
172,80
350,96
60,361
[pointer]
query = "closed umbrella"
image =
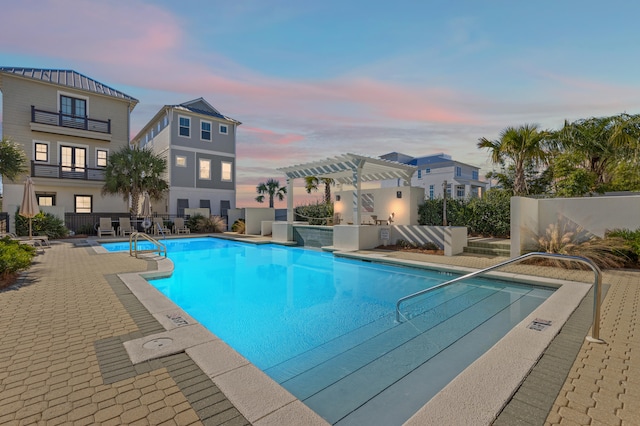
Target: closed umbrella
x,y
146,210
29,207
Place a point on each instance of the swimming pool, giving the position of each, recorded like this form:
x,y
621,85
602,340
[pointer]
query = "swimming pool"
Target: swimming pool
x,y
323,327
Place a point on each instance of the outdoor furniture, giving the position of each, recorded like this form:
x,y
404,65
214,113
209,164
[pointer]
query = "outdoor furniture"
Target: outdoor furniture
x,y
179,227
106,228
35,242
158,227
125,228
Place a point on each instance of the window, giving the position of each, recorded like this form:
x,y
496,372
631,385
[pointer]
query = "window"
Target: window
x,y
73,111
185,127
158,127
224,129
458,171
205,130
181,161
73,159
449,190
431,192
419,174
205,169
46,199
427,170
474,175
101,158
460,191
165,121
41,152
183,203
226,171
83,203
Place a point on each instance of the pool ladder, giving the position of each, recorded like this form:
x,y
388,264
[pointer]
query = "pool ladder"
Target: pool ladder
x,y
159,248
595,331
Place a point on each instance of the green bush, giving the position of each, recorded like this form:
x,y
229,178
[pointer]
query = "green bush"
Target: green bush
x,y
192,222
631,240
41,224
14,257
238,226
316,214
488,216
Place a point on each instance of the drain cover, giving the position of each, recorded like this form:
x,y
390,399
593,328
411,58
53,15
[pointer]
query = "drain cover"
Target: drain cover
x,y
160,343
539,324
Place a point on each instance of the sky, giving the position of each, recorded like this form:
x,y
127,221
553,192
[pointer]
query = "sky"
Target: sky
x,y
315,79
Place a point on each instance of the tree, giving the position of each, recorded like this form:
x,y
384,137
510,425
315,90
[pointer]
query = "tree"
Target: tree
x,y
13,160
312,182
273,189
522,146
131,171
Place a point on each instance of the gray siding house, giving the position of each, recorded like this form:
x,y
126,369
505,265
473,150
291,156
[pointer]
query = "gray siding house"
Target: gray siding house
x,y
199,144
67,124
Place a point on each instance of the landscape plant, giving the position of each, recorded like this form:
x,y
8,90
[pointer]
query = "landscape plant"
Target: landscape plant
x,y
238,226
14,257
13,160
314,213
272,189
42,224
213,223
192,222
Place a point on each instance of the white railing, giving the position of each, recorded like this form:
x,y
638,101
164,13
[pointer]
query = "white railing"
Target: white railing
x,y
159,248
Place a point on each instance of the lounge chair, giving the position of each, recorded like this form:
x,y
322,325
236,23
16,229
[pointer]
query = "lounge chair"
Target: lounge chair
x,y
106,228
179,227
43,240
34,242
125,228
158,227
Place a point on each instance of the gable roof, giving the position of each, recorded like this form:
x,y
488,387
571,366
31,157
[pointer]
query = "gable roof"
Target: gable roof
x,y
200,106
68,78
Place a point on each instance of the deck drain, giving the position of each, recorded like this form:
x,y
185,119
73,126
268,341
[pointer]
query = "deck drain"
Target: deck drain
x,y
160,343
539,324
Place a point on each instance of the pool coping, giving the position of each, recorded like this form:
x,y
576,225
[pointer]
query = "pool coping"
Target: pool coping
x,y
485,386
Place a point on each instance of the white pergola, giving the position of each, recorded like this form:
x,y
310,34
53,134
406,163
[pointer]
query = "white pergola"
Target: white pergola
x,y
351,169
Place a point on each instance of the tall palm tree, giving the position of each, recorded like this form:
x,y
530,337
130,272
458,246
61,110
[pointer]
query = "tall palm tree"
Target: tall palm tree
x,y
131,171
13,161
312,182
273,189
522,146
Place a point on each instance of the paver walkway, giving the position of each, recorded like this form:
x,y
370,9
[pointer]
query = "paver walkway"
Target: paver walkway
x,y
59,324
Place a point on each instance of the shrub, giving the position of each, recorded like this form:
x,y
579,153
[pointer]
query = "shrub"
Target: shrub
x,y
192,222
211,224
238,226
14,257
631,240
316,214
488,216
413,245
41,224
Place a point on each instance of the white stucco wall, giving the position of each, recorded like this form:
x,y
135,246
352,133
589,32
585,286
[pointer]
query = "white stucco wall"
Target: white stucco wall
x,y
253,217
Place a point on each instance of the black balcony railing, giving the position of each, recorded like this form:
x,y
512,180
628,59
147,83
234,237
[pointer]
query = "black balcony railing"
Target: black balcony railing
x,y
68,120
65,172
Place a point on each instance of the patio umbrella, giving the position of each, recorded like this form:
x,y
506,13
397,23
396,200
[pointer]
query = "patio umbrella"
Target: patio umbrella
x,y
29,207
146,210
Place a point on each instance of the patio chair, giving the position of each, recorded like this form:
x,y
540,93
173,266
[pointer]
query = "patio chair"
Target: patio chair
x,y
106,228
179,227
125,228
158,225
43,240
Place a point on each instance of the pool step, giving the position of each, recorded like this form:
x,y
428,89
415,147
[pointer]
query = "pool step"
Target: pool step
x,y
342,378
488,246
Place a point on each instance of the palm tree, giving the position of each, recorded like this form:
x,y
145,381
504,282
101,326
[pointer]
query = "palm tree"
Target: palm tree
x,y
13,161
312,182
131,171
522,146
271,187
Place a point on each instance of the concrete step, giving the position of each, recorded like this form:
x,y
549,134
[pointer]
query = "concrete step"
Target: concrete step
x,y
504,252
491,243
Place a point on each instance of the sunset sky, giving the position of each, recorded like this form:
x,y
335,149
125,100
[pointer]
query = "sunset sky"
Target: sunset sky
x,y
314,79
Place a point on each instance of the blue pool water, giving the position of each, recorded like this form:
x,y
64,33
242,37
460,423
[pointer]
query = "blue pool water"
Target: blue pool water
x,y
323,327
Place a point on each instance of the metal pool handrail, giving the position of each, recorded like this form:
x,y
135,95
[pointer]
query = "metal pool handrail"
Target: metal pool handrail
x,y
595,333
133,245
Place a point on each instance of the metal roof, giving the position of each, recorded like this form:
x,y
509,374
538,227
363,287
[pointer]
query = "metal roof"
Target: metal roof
x,y
341,169
68,78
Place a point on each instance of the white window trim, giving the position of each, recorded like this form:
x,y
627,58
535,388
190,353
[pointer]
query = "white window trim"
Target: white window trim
x,y
200,161
180,126
48,144
210,130
220,126
183,157
222,164
104,150
73,95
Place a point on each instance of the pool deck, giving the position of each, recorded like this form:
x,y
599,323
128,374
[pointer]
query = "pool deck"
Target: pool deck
x,y
69,321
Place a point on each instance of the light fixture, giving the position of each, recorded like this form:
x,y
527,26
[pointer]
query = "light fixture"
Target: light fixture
x,y
399,194
337,198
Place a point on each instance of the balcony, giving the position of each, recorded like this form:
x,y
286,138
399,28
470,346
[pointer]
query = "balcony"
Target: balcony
x,y
68,124
55,171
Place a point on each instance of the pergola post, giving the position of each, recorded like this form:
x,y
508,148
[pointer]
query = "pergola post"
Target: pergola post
x,y
356,194
290,200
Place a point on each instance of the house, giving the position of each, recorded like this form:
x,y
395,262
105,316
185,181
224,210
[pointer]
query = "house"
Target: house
x,y
199,144
434,170
67,124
